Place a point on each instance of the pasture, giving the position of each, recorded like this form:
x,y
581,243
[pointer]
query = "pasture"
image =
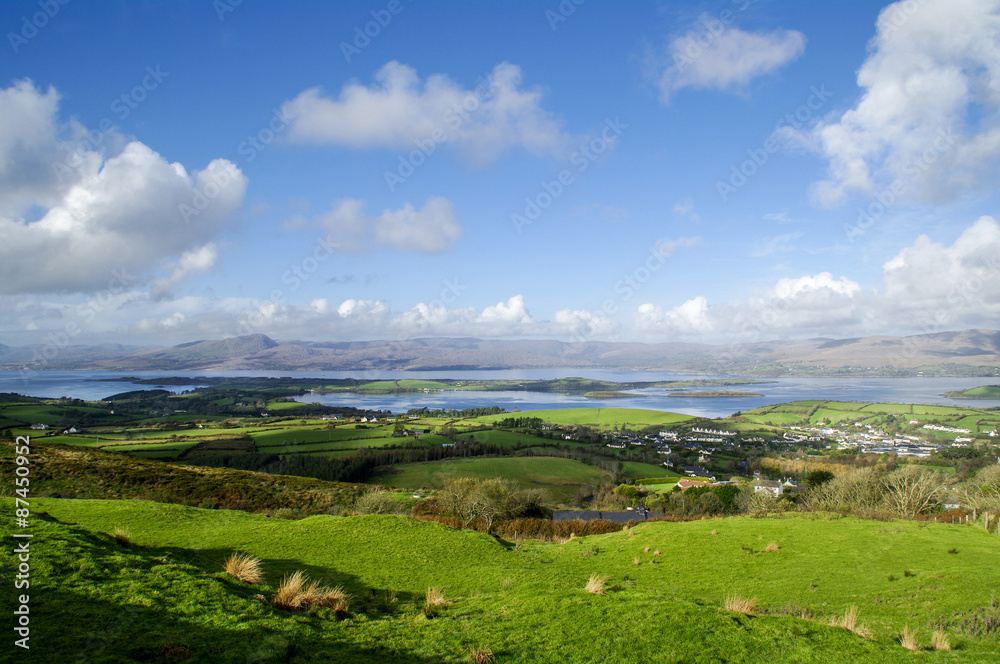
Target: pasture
x,y
165,590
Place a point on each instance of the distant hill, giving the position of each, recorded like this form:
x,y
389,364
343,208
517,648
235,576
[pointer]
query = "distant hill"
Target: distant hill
x,y
967,352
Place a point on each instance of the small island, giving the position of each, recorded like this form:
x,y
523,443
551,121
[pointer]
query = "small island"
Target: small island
x,y
982,392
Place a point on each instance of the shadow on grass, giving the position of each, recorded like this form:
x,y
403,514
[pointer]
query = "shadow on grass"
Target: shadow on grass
x,y
93,600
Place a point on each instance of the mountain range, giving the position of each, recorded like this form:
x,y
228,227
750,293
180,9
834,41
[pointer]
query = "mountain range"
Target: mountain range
x,y
967,352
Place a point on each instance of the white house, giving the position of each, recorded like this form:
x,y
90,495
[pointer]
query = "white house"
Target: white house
x,y
768,486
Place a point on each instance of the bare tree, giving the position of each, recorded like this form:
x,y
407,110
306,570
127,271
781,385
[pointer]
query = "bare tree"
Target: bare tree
x,y
911,490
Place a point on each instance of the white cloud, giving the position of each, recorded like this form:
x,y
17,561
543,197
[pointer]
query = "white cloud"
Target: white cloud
x,y
689,318
190,317
432,229
190,262
101,216
724,58
926,287
665,248
400,111
927,127
511,311
930,284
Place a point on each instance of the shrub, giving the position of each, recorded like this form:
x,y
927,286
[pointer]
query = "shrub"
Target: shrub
x,y
244,567
377,501
740,604
908,639
595,584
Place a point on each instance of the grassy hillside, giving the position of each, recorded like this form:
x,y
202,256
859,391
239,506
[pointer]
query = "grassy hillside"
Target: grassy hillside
x,y
557,478
58,470
165,598
596,417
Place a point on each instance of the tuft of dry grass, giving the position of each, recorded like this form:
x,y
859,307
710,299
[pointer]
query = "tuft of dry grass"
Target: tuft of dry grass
x,y
773,546
850,622
646,550
481,655
332,598
740,604
433,600
244,567
292,591
595,584
656,553
296,592
940,640
122,536
908,639
715,532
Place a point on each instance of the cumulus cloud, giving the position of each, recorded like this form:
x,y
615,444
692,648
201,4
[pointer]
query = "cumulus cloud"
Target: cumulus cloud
x,y
926,287
715,56
930,284
190,262
432,229
100,215
190,317
926,126
401,111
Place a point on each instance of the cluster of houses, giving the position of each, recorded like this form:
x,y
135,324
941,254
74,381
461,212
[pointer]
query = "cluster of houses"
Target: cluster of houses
x,y
698,476
870,440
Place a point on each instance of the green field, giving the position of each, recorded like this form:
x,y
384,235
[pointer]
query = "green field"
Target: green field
x,y
290,448
596,417
558,478
505,438
635,469
166,593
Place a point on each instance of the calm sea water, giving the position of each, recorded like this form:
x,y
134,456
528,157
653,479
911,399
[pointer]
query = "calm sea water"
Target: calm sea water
x,y
82,385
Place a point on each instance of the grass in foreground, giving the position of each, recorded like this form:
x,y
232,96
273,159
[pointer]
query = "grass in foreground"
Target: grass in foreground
x,y
171,595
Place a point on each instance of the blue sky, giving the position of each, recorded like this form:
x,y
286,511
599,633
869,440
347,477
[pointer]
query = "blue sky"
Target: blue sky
x,y
712,171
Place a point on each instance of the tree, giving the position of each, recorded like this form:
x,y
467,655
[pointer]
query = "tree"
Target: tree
x,y
818,478
910,491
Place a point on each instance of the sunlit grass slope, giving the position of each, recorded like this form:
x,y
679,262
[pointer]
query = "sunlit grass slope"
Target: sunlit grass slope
x,y
164,596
